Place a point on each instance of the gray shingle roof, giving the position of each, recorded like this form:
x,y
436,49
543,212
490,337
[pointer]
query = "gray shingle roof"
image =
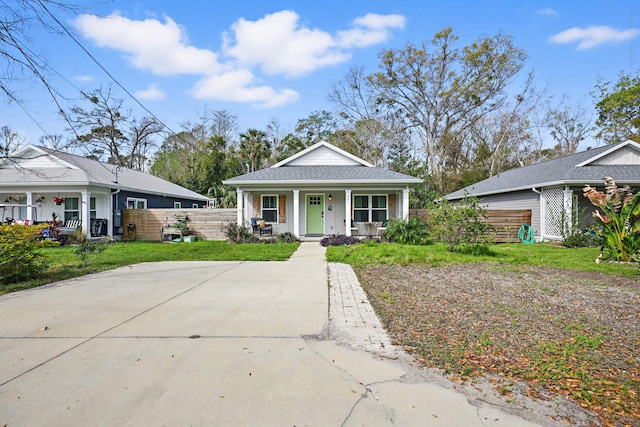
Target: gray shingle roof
x,y
560,171
322,174
92,172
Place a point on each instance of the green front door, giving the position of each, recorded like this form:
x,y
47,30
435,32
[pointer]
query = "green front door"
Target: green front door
x,y
315,214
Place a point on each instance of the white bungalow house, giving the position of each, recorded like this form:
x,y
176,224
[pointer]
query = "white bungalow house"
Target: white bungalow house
x,y
37,182
549,188
322,190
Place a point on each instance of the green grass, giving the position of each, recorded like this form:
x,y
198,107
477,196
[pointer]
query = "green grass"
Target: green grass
x,y
581,259
63,264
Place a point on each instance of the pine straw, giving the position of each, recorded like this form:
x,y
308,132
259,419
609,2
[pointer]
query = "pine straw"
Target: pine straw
x,y
558,331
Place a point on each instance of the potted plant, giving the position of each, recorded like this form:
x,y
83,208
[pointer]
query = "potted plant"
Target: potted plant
x,y
58,200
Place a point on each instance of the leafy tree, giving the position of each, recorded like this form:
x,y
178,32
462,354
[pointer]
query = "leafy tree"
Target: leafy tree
x,y
460,224
319,126
618,109
441,90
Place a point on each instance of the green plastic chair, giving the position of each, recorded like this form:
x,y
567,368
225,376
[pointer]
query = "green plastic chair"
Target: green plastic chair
x,y
526,234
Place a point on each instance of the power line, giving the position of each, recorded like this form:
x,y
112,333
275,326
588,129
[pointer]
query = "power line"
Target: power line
x,y
64,28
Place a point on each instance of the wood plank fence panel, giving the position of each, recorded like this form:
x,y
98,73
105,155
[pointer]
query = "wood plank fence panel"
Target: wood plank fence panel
x,y
506,223
205,224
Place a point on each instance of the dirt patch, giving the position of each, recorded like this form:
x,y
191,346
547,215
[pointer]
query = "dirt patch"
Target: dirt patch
x,y
538,332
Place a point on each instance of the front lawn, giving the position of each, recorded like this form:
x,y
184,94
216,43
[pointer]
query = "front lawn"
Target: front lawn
x,y
65,265
539,319
581,259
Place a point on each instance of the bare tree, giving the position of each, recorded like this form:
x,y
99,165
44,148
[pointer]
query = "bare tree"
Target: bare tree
x,y
568,125
10,141
18,60
441,91
107,132
368,129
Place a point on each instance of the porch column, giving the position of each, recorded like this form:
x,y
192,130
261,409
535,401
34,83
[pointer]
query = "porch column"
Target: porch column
x,y
29,208
347,212
239,200
248,207
405,204
568,209
85,207
296,213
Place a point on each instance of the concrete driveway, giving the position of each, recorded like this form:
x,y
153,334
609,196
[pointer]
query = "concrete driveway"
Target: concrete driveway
x,y
204,343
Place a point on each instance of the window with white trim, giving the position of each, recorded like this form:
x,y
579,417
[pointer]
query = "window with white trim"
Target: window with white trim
x,y
72,208
370,208
270,208
177,205
135,203
93,212
195,206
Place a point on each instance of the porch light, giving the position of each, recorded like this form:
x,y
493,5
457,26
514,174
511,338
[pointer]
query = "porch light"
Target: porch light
x,y
330,198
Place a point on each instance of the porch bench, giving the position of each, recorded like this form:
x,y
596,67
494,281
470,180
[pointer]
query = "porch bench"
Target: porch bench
x,y
70,226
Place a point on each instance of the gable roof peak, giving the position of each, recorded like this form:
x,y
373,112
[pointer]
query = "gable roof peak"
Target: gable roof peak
x,y
612,148
320,145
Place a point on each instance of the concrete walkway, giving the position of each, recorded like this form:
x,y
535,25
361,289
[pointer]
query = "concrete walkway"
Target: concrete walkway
x,y
214,344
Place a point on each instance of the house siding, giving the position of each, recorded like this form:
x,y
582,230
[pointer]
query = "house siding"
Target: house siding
x,y
323,156
516,201
624,156
154,201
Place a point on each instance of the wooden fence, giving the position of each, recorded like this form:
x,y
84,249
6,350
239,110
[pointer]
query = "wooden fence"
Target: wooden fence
x,y
506,223
147,224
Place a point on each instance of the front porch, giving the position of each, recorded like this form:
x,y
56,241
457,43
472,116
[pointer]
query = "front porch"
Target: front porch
x,y
89,211
314,213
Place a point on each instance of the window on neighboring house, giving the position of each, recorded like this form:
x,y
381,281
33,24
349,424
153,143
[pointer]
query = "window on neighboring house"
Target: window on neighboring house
x,y
270,208
71,208
177,205
195,206
135,203
369,208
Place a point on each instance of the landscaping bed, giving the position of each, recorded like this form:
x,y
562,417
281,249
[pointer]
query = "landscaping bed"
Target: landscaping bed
x,y
559,332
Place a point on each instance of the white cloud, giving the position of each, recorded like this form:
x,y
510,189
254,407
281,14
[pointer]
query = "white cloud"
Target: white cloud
x,y
594,35
370,29
548,12
279,45
150,45
239,86
152,92
275,44
83,78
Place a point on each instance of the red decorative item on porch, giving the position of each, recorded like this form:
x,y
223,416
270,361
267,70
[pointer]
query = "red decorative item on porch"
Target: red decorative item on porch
x,y
58,200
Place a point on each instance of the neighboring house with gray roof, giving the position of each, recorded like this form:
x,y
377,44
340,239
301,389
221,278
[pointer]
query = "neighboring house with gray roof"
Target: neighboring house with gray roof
x,y
548,188
321,190
34,180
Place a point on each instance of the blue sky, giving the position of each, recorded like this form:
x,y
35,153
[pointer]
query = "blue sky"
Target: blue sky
x,y
265,60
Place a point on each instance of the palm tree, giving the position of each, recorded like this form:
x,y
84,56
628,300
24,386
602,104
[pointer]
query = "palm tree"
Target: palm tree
x,y
254,147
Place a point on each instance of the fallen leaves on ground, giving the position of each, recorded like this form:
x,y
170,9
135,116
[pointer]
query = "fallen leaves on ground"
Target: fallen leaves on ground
x,y
563,332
